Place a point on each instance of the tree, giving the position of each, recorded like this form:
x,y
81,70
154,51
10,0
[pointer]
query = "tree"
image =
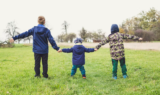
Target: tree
x,y
156,31
61,37
1,43
145,22
148,19
71,36
98,36
121,30
65,26
83,34
95,36
90,35
65,38
11,29
28,38
18,39
101,35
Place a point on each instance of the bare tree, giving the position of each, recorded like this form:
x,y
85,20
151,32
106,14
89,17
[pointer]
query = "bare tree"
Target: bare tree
x,y
101,35
61,37
11,29
28,38
65,26
18,39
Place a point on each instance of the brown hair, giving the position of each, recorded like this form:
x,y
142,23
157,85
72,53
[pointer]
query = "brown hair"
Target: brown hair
x,y
41,20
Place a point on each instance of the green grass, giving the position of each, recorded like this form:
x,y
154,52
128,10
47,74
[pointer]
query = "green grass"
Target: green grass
x,y
17,74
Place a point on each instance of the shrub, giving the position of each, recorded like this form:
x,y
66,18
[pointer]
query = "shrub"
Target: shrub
x,y
6,44
146,35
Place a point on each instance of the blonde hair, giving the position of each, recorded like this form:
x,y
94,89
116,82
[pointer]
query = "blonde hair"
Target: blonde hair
x,y
41,20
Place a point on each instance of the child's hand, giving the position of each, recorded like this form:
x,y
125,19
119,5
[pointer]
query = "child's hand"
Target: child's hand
x,y
140,39
95,49
11,40
59,50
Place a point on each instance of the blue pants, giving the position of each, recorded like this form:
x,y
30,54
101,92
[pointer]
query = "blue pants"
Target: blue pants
x,y
74,69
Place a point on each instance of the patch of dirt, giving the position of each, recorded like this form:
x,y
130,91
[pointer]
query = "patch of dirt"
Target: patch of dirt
x,y
136,45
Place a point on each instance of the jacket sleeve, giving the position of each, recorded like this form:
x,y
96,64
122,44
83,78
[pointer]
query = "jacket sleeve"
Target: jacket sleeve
x,y
89,49
67,50
52,41
127,36
102,43
24,34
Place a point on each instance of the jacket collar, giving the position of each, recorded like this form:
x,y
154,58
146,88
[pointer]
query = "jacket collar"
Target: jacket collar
x,y
78,43
41,25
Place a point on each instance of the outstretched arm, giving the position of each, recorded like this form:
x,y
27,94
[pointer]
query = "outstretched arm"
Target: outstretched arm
x,y
67,50
52,41
90,50
127,36
102,43
22,35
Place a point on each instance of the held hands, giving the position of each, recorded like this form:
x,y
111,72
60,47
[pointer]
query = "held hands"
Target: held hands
x,y
95,49
59,50
11,40
140,39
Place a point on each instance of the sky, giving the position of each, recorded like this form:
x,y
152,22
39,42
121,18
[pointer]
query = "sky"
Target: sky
x,y
90,14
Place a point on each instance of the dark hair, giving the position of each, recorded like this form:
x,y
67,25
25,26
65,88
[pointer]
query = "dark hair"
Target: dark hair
x,y
41,20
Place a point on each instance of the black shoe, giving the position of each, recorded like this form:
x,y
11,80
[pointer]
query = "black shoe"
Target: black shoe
x,y
37,76
45,75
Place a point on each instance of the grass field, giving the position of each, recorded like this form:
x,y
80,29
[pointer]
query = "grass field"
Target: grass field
x,y
17,74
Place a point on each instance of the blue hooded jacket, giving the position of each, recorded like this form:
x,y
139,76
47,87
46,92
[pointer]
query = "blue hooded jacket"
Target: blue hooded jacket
x,y
114,28
41,35
78,56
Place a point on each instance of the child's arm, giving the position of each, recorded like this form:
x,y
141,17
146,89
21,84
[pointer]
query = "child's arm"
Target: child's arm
x,y
22,35
67,50
127,36
51,40
102,43
89,49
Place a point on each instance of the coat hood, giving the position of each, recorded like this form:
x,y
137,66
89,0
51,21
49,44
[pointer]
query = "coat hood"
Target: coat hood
x,y
41,29
114,28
